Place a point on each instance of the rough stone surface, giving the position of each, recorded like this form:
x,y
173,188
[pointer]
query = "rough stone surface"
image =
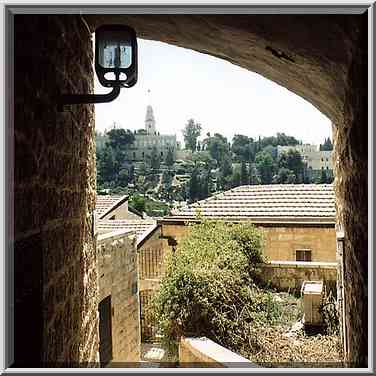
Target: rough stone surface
x,y
118,277
54,195
290,276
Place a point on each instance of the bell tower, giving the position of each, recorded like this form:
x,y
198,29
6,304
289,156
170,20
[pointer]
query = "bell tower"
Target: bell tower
x,y
150,121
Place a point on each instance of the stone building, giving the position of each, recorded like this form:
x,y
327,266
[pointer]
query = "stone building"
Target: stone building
x,y
115,207
151,250
150,138
298,220
118,299
316,160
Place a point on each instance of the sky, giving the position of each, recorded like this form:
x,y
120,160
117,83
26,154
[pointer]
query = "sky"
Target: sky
x,y
181,84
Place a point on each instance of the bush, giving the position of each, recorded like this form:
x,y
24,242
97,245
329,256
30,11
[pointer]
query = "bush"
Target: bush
x,y
208,289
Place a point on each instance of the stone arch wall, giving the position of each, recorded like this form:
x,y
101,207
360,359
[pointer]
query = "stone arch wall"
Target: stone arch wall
x,y
55,273
322,58
319,57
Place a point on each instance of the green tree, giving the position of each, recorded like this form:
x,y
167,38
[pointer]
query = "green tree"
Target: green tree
x,y
323,177
209,281
123,177
327,145
217,146
191,133
284,176
292,161
243,147
169,158
194,186
225,173
108,165
155,160
236,179
138,203
254,177
244,176
264,164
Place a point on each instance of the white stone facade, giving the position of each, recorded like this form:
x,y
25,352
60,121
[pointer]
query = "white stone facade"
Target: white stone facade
x,y
315,159
144,144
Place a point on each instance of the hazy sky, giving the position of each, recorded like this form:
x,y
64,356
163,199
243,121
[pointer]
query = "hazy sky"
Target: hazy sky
x,y
221,96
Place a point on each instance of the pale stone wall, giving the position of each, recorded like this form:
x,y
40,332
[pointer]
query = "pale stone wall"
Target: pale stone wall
x,y
118,277
122,212
281,243
289,276
151,265
52,161
205,353
144,144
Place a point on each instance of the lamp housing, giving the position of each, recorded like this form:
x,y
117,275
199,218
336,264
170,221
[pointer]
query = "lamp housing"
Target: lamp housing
x,y
116,55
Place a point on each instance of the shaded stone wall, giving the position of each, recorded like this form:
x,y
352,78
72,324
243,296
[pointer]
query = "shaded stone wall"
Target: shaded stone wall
x,y
351,186
203,352
54,194
118,277
281,242
289,276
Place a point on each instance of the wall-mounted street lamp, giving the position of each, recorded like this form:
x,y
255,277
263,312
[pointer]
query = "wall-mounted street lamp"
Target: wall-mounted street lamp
x,y
115,63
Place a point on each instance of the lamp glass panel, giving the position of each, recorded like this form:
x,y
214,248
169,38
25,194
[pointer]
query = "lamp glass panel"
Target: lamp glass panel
x,y
115,51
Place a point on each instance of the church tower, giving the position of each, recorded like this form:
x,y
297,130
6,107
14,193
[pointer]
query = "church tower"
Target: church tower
x,y
150,121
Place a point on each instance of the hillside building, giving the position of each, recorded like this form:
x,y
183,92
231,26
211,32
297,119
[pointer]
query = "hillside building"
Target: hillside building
x,y
316,160
150,138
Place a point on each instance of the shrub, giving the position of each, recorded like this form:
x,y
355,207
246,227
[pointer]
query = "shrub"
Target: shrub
x,y
208,289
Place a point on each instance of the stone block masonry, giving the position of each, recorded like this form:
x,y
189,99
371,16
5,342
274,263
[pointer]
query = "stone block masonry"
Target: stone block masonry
x,y
54,194
118,278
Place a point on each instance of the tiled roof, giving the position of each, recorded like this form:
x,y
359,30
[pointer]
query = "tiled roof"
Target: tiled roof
x,y
267,203
142,228
106,203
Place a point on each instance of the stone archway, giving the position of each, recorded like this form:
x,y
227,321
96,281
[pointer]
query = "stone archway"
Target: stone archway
x,y
322,58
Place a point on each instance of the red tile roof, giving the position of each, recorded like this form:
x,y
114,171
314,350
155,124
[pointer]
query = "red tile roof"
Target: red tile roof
x,y
106,203
266,203
142,228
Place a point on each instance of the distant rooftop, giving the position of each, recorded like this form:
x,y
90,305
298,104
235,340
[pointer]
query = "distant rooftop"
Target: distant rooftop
x,y
142,227
106,203
266,203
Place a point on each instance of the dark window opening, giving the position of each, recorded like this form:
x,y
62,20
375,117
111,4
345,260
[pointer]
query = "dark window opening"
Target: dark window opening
x,y
303,255
105,331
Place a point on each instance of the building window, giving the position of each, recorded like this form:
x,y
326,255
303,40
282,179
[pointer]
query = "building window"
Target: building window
x,y
143,154
303,255
134,155
161,153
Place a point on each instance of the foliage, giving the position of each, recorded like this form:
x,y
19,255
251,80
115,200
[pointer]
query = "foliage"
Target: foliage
x,y
225,173
138,203
194,185
327,145
191,133
217,146
280,139
244,177
169,158
265,166
150,207
155,160
284,176
209,288
243,147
